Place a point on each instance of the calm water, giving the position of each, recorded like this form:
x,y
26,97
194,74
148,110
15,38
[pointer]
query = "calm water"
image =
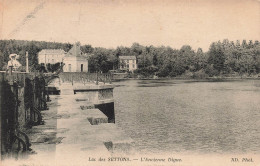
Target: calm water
x,y
196,117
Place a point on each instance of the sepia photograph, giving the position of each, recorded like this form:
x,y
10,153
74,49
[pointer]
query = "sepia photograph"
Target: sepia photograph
x,y
130,82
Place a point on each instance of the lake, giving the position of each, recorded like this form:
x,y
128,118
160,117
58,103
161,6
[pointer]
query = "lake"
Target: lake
x,y
189,116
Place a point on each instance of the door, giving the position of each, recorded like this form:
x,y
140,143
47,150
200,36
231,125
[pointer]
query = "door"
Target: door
x,y
81,67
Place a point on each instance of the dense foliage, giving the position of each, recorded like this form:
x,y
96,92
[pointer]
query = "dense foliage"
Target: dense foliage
x,y
226,58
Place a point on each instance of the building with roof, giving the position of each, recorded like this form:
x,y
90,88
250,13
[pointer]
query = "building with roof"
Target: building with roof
x,y
51,56
75,60
128,63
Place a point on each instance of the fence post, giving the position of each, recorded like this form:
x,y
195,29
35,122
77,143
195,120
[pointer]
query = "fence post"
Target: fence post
x,y
1,109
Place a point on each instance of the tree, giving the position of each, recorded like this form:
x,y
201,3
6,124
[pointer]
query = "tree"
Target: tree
x,y
50,67
216,56
250,44
199,60
244,44
87,49
238,44
186,57
99,61
1,61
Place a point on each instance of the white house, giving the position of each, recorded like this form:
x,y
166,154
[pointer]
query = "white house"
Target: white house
x,y
128,63
75,60
51,56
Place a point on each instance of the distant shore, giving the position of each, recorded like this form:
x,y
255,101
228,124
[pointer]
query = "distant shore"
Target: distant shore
x,y
220,78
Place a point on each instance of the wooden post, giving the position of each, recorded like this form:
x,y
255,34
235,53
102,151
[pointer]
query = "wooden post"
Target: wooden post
x,y
1,109
34,99
27,62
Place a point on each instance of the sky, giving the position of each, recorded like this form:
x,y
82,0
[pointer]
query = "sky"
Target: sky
x,y
112,23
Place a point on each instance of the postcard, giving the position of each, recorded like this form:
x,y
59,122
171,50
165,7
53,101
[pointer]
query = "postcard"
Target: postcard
x,y
130,82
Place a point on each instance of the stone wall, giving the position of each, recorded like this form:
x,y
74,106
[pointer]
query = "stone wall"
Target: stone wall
x,y
101,98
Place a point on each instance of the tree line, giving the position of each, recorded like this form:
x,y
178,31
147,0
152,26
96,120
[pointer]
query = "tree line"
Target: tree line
x,y
224,58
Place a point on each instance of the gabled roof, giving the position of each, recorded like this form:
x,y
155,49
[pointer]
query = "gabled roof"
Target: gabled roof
x,y
75,51
127,57
52,51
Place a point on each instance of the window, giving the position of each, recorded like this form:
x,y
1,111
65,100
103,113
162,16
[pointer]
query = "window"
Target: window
x,y
127,61
69,67
133,66
52,61
127,66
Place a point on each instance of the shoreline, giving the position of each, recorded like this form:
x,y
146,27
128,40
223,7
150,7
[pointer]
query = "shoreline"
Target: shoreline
x,y
193,79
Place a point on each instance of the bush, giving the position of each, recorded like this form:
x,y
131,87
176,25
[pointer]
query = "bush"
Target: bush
x,y
200,74
211,71
146,71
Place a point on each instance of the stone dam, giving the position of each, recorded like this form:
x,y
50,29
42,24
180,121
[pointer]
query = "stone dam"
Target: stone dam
x,y
79,122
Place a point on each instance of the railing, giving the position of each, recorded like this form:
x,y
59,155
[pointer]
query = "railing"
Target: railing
x,y
84,78
22,97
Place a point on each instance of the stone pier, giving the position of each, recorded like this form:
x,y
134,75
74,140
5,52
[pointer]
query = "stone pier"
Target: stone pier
x,y
75,128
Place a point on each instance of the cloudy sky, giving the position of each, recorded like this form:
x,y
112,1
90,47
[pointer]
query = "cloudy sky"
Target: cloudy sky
x,y
112,23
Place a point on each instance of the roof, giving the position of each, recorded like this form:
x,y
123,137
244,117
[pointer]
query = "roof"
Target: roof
x,y
52,51
127,57
75,51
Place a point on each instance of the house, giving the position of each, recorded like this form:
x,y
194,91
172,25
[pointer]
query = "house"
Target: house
x,y
128,63
75,60
50,56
